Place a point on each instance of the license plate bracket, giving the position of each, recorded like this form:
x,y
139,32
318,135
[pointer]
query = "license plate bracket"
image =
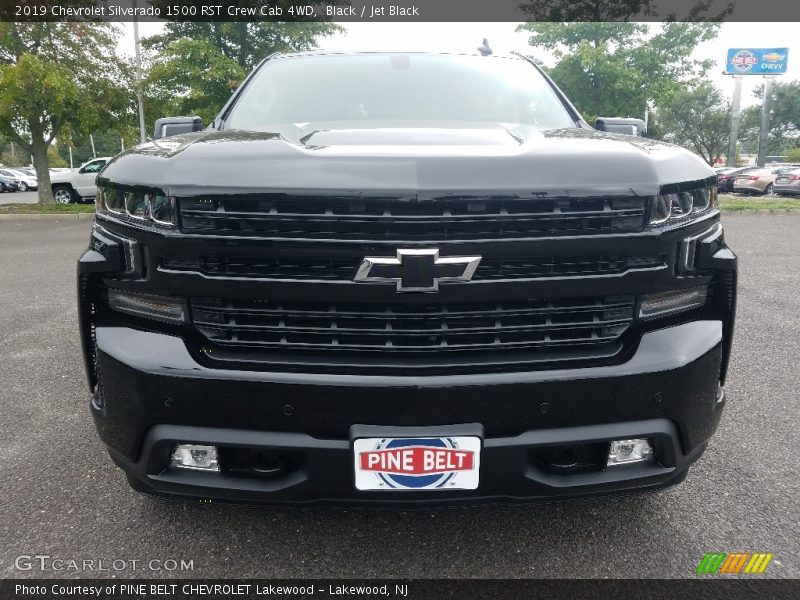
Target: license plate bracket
x,y
396,459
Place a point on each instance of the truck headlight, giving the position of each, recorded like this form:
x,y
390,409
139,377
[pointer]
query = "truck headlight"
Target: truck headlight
x,y
137,205
677,205
162,210
155,209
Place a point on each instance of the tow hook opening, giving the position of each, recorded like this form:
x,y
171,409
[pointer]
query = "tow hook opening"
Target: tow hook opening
x,y
259,462
568,460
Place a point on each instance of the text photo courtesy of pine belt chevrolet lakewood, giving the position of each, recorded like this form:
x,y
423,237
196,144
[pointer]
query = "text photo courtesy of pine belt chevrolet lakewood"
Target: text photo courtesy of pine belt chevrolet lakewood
x,y
380,279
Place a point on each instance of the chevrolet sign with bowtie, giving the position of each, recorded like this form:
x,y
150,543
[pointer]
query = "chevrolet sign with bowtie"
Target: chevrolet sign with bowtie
x,y
416,270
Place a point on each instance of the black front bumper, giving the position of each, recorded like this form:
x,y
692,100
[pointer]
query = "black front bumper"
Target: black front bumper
x,y
156,386
154,394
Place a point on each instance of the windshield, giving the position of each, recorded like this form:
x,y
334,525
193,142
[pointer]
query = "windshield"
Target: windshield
x,y
401,89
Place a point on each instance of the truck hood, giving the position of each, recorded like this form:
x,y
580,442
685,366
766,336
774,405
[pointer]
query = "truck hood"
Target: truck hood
x,y
495,157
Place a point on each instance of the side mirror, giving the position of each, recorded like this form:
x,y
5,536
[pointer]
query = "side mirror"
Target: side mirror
x,y
167,126
619,125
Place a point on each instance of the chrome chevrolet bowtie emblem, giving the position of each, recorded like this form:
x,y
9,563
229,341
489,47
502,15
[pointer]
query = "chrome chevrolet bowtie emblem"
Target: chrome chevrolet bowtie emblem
x,y
417,270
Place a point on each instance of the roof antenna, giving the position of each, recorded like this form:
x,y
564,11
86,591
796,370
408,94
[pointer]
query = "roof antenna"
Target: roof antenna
x,y
484,48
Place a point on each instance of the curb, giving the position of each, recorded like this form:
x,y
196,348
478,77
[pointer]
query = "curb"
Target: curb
x,y
760,211
36,216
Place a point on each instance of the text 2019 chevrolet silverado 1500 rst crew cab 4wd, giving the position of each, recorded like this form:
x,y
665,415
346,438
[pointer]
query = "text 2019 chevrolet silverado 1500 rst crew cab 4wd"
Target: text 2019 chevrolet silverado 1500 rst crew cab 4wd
x,y
404,278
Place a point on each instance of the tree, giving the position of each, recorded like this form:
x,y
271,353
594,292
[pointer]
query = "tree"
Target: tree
x,y
699,119
11,155
617,10
784,122
57,80
194,67
785,116
793,155
619,68
190,77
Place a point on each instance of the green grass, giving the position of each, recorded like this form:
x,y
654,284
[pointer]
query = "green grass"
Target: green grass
x,y
733,203
38,209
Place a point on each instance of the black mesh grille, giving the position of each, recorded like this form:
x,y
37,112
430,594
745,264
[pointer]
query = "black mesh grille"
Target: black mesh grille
x,y
342,269
449,217
565,324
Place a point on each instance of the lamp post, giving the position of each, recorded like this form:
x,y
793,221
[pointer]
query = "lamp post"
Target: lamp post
x,y
142,136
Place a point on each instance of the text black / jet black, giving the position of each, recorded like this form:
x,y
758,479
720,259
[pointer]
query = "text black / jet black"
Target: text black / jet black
x,y
404,278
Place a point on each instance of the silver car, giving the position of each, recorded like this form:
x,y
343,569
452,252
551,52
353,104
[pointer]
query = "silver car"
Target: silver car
x,y
787,183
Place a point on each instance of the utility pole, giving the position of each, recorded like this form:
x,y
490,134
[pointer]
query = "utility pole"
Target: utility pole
x,y
763,136
70,157
142,137
94,152
736,115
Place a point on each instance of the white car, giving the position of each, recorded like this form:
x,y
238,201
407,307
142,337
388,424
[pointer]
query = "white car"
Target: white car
x,y
26,182
77,186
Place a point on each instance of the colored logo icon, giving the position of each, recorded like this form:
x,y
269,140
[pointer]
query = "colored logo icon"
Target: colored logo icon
x,y
734,563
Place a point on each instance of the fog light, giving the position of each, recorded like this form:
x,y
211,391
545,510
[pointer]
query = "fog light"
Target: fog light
x,y
195,457
624,452
656,305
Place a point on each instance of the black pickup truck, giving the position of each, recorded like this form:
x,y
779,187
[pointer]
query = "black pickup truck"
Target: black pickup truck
x,y
404,278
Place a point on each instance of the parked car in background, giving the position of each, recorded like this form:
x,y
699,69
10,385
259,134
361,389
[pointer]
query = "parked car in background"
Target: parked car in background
x,y
26,181
760,181
788,183
726,178
8,184
77,186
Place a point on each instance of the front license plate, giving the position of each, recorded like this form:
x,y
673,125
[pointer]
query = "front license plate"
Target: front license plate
x,y
429,463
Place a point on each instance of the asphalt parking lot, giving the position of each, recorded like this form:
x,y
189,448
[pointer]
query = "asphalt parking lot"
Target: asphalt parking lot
x,y
19,198
62,496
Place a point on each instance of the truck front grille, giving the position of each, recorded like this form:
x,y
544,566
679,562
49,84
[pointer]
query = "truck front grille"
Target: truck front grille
x,y
564,325
409,217
343,269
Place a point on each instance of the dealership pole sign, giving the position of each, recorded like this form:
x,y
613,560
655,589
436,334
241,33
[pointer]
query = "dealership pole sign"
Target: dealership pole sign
x,y
756,61
766,62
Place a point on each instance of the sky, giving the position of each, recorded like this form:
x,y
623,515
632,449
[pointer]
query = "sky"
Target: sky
x,y
503,38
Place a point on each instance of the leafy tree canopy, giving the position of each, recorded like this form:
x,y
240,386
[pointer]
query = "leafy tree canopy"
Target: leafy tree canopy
x,y
198,65
57,80
617,10
784,122
785,114
622,68
698,118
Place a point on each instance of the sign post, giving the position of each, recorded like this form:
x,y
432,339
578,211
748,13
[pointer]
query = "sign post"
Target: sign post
x,y
753,61
736,115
